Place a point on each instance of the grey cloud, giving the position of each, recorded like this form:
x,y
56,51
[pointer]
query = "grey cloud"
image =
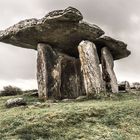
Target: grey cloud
x,y
17,63
114,14
14,10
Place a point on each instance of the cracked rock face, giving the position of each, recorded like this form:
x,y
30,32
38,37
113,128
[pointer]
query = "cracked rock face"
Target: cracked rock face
x,y
117,48
69,14
63,30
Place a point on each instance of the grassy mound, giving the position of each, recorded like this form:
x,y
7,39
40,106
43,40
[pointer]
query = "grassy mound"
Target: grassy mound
x,y
114,119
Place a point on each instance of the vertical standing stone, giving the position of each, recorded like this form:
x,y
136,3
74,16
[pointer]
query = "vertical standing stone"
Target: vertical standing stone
x,y
58,75
48,72
71,78
55,74
42,71
108,73
93,81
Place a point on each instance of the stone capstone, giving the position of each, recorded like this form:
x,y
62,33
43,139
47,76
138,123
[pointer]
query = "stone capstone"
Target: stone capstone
x,y
63,30
124,86
117,48
69,14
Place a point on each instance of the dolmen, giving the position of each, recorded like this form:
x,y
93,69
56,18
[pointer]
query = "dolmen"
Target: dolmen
x,y
74,58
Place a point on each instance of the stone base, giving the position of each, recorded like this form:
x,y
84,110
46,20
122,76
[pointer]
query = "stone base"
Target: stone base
x,y
59,76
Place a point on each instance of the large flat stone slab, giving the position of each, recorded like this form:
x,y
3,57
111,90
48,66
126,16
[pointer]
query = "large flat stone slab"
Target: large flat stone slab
x,y
117,48
63,30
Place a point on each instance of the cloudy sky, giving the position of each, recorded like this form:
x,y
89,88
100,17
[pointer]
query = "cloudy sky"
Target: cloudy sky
x,y
118,18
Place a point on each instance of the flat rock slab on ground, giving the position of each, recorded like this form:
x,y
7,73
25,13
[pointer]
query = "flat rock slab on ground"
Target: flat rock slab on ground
x,y
14,102
63,30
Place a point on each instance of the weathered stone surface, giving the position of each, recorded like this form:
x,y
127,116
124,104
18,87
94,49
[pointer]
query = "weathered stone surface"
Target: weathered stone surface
x,y
81,98
108,73
69,14
15,102
42,71
124,86
48,72
64,33
72,84
34,94
93,81
117,48
68,100
59,76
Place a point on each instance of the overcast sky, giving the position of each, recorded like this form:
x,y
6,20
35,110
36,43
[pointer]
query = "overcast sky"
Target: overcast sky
x,y
118,18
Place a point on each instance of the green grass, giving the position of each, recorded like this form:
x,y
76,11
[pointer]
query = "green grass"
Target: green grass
x,y
117,118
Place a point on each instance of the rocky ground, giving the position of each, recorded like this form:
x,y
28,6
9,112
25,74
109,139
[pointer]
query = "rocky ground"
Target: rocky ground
x,y
113,118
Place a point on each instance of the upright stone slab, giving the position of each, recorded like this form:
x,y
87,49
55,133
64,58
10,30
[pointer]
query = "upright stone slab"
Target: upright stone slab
x,y
108,73
42,71
72,85
59,75
93,81
48,67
